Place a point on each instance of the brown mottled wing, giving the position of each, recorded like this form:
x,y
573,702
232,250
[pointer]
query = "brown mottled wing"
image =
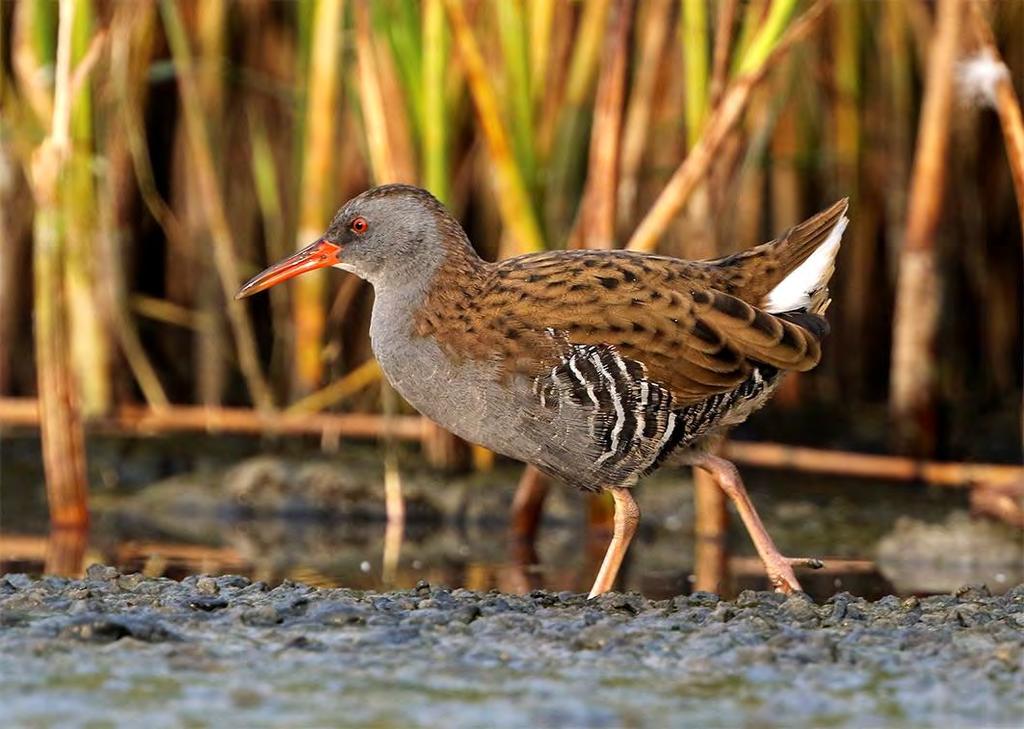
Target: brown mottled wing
x,y
657,311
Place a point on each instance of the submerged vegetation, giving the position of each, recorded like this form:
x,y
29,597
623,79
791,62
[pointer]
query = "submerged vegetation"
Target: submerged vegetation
x,y
155,154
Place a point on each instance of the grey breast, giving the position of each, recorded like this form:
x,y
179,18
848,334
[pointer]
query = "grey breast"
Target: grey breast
x,y
466,398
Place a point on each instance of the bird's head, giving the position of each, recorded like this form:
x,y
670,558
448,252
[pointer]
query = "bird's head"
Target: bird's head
x,y
388,234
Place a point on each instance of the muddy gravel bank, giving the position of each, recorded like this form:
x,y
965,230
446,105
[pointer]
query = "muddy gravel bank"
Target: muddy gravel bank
x,y
224,651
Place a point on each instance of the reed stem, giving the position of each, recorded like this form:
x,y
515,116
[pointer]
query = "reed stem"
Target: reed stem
x,y
59,413
435,114
318,155
694,29
223,243
912,370
652,32
513,197
725,117
596,222
88,335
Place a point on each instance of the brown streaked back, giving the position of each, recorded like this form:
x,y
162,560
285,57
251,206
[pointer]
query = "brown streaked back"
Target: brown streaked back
x,y
693,325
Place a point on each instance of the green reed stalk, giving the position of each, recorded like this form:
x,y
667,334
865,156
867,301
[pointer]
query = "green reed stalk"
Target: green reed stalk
x,y
89,340
517,94
753,19
768,35
209,356
434,147
512,195
694,28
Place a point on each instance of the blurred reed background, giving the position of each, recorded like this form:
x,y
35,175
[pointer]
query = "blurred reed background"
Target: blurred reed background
x,y
155,154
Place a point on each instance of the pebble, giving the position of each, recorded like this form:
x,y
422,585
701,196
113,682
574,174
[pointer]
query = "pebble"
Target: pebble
x,y
106,628
18,581
101,572
207,603
262,616
130,582
207,586
800,608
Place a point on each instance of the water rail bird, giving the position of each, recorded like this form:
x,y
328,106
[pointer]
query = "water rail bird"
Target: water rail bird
x,y
595,366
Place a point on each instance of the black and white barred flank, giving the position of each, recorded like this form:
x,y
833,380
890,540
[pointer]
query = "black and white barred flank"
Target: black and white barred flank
x,y
632,422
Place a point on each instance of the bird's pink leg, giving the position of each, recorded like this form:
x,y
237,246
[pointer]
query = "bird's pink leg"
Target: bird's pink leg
x,y
779,568
627,516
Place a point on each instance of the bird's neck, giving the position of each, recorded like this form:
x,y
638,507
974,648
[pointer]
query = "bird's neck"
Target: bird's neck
x,y
430,288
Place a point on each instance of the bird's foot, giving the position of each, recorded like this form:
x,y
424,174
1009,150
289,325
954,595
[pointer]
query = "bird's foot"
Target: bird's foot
x,y
780,571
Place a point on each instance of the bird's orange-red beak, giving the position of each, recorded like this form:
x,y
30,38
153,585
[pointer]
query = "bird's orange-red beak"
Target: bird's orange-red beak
x,y
319,254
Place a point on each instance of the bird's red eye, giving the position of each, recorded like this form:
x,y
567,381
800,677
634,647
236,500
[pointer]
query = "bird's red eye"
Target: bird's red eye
x,y
359,225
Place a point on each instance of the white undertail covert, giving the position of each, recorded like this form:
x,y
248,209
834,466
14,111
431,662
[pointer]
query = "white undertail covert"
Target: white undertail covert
x,y
794,292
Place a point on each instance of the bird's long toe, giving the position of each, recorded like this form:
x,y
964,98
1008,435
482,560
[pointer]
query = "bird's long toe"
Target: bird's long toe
x,y
812,563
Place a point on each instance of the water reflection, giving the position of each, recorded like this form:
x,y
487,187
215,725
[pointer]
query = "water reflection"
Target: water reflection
x,y
323,521
375,557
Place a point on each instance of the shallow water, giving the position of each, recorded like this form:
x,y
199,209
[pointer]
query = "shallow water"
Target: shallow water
x,y
272,511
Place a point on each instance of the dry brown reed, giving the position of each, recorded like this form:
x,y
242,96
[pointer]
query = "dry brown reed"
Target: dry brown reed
x,y
918,288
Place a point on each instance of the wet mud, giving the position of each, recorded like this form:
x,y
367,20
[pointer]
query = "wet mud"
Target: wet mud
x,y
226,651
